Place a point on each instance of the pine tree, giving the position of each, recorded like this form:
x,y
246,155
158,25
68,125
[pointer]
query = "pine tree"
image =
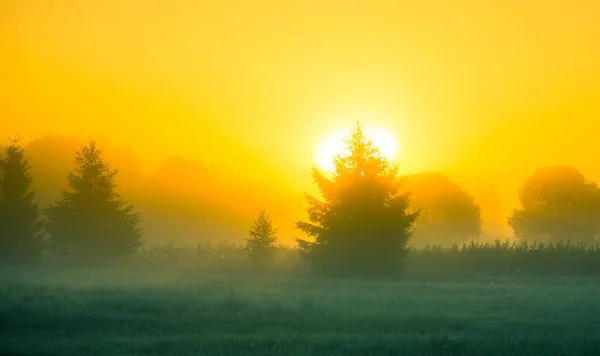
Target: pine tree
x,y
362,225
261,242
91,220
20,225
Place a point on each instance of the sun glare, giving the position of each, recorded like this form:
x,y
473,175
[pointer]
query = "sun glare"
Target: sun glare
x,y
333,144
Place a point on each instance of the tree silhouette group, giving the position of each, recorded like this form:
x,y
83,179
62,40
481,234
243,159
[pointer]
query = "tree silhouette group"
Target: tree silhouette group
x,y
363,223
88,224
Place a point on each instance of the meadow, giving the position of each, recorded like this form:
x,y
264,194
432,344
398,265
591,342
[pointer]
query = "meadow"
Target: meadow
x,y
54,311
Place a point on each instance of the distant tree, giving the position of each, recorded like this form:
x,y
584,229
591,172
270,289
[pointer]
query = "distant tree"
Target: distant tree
x,y
362,225
20,225
90,220
261,242
557,204
447,213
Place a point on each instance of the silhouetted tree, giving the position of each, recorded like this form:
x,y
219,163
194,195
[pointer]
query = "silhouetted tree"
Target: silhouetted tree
x,y
362,225
20,225
90,220
261,242
558,204
52,157
447,213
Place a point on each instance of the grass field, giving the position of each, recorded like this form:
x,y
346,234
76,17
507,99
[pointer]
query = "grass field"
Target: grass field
x,y
177,313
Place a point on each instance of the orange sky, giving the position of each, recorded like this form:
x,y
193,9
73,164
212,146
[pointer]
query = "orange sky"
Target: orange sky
x,y
484,90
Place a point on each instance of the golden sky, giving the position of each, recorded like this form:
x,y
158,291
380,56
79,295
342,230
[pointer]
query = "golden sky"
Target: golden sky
x,y
484,90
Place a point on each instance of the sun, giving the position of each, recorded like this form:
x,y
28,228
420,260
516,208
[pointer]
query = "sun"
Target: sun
x,y
333,144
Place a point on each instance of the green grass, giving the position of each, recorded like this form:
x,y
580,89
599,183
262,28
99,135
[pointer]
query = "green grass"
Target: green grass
x,y
177,313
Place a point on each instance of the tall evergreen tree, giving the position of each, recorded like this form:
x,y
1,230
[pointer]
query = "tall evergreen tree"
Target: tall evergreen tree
x,y
362,225
261,242
20,225
91,220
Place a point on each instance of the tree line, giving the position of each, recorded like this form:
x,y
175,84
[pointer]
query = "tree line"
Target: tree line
x,y
367,217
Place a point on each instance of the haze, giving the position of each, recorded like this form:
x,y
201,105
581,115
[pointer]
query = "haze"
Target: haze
x,y
483,91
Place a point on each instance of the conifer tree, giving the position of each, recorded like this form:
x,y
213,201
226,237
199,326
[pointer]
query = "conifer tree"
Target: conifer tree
x,y
362,225
91,220
20,225
261,242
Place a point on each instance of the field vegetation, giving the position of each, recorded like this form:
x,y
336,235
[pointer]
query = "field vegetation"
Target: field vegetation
x,y
134,312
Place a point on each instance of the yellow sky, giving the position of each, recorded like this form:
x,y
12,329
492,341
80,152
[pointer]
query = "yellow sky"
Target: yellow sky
x,y
485,90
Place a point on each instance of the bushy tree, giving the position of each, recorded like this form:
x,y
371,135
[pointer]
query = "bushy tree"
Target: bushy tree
x,y
90,220
261,242
20,225
362,225
447,213
557,204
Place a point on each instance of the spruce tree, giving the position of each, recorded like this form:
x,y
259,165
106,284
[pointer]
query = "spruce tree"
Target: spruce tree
x,y
90,220
362,225
261,242
20,225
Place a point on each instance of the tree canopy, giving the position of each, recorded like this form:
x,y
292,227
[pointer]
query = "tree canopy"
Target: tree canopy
x,y
261,242
20,225
447,213
362,224
90,219
557,204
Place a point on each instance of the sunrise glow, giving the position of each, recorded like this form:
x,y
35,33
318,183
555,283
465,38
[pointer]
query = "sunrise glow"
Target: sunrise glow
x,y
198,95
333,144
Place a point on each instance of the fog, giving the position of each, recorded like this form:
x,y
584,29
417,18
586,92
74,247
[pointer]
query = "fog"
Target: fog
x,y
485,93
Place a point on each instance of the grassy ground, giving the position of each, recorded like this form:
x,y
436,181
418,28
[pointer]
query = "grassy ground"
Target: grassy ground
x,y
136,313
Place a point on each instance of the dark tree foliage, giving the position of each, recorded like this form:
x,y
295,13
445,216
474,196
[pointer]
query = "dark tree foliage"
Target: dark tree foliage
x,y
557,204
21,239
90,220
362,225
261,242
52,157
447,213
